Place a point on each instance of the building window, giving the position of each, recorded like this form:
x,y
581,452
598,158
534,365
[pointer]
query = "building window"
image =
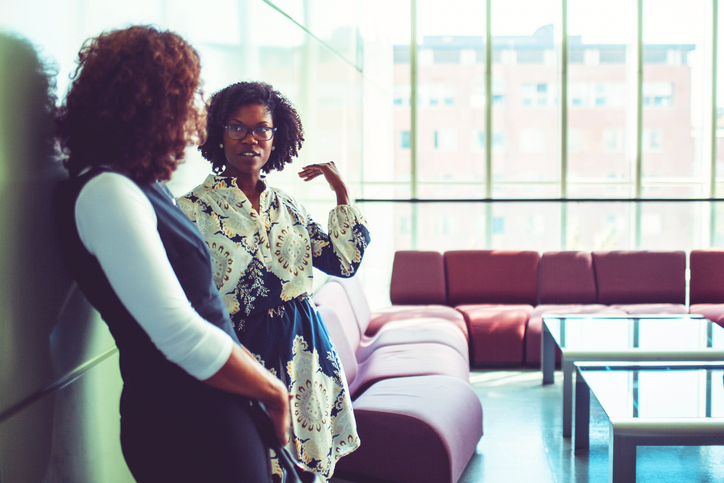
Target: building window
x,y
652,140
405,139
658,94
498,141
535,95
401,95
445,140
498,225
613,140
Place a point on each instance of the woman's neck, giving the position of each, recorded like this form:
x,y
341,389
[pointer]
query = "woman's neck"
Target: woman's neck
x,y
251,185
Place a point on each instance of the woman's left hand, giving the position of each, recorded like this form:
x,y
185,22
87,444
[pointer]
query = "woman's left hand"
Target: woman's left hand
x,y
331,174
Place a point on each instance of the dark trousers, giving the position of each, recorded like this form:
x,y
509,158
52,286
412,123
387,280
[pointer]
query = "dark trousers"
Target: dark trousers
x,y
210,437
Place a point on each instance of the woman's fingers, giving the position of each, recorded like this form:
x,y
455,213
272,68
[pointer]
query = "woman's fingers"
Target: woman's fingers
x,y
329,170
281,417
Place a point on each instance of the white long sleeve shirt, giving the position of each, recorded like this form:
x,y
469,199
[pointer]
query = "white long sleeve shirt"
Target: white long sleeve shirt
x,y
117,224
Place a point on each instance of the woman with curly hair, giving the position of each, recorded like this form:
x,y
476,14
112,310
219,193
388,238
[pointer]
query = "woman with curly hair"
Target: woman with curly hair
x,y
185,404
264,245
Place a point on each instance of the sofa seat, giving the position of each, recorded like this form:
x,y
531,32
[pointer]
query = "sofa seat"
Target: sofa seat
x,y
385,361
414,331
652,308
415,429
382,316
534,329
496,332
404,332
713,312
409,360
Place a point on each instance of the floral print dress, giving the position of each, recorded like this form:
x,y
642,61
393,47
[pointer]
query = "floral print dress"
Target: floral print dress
x,y
263,269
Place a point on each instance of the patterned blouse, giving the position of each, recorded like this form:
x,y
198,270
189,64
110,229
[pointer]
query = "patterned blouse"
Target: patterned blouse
x,y
264,259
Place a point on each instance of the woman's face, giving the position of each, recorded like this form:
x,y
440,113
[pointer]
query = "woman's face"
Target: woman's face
x,y
247,155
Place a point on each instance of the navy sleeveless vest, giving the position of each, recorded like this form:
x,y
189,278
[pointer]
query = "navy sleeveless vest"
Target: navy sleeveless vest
x,y
145,370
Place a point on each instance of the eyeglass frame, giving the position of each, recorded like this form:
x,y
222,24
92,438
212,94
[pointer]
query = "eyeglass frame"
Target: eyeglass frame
x,y
247,131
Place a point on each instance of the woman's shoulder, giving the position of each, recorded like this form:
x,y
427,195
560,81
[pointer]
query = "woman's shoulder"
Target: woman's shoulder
x,y
199,192
280,194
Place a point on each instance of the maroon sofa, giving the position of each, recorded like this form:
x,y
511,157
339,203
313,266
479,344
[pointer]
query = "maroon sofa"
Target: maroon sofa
x,y
706,286
503,294
417,415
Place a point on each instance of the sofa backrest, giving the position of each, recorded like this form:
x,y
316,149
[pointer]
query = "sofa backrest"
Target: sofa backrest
x,y
338,335
706,285
357,299
639,276
491,276
333,295
566,278
418,277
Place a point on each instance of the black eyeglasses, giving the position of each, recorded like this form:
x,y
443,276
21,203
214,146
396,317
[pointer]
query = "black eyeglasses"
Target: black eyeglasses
x,y
240,132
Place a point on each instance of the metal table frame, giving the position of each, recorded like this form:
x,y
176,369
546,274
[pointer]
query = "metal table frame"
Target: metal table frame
x,y
625,435
548,354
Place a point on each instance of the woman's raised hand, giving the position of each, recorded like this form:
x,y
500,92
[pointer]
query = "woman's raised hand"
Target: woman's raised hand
x,y
331,174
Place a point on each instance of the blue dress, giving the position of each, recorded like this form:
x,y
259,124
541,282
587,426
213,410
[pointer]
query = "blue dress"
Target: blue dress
x,y
263,268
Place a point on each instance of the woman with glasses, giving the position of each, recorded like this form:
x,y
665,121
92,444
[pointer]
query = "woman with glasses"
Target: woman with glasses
x,y
187,383
264,245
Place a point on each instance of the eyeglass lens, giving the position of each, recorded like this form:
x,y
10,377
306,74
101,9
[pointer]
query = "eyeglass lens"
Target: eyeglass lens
x,y
240,132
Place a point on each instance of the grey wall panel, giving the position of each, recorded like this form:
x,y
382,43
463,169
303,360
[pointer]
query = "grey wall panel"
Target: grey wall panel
x,y
70,435
52,427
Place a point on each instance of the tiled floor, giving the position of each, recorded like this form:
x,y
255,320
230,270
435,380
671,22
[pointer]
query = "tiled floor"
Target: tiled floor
x,y
523,441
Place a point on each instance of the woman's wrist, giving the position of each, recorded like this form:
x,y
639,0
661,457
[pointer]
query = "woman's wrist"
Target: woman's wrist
x,y
342,194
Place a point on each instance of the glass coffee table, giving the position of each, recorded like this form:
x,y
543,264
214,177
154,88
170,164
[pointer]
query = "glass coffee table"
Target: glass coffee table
x,y
650,404
591,337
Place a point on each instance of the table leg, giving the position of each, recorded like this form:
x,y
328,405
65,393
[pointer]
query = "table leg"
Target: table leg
x,y
582,414
547,356
567,397
621,458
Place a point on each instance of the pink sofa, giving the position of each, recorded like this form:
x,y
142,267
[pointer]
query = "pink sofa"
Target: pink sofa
x,y
417,415
504,294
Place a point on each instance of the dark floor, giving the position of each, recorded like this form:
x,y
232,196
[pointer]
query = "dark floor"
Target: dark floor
x,y
523,440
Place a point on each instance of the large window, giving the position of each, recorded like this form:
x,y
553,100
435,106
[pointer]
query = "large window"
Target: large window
x,y
637,120
505,100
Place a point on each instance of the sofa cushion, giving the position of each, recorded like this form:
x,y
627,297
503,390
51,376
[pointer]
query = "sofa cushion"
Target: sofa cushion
x,y
415,429
706,285
413,331
382,316
652,308
405,360
713,312
566,278
339,338
403,331
496,332
418,277
535,325
640,277
334,295
491,277
357,299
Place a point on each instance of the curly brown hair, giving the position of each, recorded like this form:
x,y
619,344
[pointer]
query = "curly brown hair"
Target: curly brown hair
x,y
288,138
131,104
